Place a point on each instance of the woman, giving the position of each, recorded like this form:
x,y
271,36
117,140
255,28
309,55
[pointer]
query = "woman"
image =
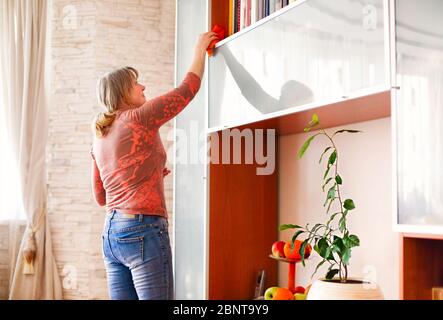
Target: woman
x,y
127,175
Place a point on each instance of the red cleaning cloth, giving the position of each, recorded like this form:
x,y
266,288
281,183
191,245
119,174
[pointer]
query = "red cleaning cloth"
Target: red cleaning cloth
x,y
220,31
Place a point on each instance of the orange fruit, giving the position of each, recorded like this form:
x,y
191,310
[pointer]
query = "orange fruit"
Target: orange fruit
x,y
283,294
294,253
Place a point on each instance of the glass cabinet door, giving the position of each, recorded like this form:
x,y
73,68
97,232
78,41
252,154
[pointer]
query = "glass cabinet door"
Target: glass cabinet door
x,y
189,187
317,51
419,111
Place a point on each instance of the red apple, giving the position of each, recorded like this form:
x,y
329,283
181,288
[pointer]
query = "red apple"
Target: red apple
x,y
299,289
278,249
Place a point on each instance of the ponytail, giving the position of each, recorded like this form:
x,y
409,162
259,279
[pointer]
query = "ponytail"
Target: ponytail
x,y
102,123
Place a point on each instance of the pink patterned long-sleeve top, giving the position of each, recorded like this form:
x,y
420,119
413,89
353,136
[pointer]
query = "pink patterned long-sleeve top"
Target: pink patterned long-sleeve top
x,y
128,163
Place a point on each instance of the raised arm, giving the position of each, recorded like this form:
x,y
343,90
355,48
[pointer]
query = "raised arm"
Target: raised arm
x,y
158,111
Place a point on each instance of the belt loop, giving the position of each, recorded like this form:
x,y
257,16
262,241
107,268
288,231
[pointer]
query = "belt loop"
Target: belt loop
x,y
140,218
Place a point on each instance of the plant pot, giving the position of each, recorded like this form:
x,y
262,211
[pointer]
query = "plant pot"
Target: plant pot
x,y
353,289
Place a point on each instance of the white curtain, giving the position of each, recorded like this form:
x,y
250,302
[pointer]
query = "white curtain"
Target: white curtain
x,y
23,30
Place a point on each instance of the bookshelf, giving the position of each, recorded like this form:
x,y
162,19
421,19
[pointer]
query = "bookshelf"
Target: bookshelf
x,y
243,208
232,211
238,16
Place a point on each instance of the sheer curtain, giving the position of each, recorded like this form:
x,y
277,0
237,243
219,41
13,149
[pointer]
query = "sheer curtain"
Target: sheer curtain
x,y
23,28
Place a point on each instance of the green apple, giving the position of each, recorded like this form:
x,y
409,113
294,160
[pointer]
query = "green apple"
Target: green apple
x,y
300,296
270,293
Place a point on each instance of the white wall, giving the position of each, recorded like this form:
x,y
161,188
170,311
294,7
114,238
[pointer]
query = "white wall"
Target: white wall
x,y
365,167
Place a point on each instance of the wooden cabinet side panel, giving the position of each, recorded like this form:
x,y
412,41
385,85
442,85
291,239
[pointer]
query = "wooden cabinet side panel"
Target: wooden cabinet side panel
x,y
243,226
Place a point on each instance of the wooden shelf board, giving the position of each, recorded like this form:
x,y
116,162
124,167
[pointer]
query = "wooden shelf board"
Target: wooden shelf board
x,y
370,107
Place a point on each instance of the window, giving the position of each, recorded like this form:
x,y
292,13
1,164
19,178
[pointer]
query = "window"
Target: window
x,y
11,205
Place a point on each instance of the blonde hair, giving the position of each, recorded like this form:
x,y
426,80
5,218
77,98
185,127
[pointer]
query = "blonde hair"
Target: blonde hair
x,y
112,90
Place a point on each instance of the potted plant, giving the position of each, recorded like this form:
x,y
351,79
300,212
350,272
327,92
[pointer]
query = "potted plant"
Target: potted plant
x,y
332,240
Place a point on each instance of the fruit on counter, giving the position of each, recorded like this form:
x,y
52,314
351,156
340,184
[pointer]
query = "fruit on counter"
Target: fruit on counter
x,y
278,249
299,296
283,294
299,289
294,254
270,293
277,293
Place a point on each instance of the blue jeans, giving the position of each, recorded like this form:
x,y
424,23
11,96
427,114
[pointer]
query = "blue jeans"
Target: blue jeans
x,y
137,255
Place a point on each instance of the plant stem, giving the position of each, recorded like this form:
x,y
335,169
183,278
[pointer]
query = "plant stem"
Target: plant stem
x,y
342,266
336,170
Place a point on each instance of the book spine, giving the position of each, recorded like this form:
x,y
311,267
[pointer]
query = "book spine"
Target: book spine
x,y
272,6
254,11
242,13
231,18
237,15
248,13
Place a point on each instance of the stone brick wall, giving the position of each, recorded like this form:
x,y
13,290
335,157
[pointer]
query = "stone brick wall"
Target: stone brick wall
x,y
90,38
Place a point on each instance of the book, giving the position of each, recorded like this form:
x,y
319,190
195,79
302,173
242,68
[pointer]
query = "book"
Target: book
x,y
243,4
254,11
272,6
260,9
231,18
248,13
237,10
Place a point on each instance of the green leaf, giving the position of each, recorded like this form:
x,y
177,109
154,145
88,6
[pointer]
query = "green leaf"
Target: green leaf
x,y
328,253
302,251
332,158
326,150
329,206
288,226
324,185
351,241
331,192
307,129
342,224
335,249
330,195
314,229
327,171
349,131
314,121
349,204
331,274
294,237
346,256
305,146
322,246
338,179
339,243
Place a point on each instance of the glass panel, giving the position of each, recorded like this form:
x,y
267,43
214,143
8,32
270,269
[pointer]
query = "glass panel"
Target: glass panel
x,y
189,186
319,50
419,41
